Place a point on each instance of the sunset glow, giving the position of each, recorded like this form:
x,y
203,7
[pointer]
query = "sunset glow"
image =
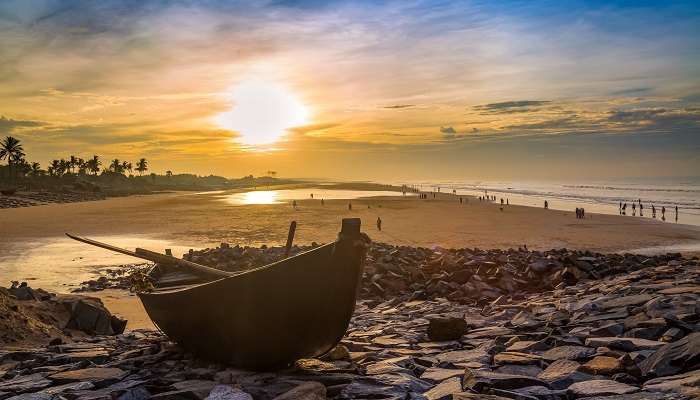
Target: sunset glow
x,y
261,112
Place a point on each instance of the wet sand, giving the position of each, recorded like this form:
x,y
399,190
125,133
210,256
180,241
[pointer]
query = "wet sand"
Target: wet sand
x,y
205,220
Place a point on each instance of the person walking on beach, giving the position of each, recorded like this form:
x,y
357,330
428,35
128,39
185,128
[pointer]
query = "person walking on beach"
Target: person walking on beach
x,y
349,206
620,208
653,211
460,200
379,224
634,209
294,204
641,209
676,213
322,203
578,214
546,204
583,213
507,202
663,213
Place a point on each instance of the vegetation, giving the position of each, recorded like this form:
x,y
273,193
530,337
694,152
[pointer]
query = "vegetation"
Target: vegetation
x,y
74,173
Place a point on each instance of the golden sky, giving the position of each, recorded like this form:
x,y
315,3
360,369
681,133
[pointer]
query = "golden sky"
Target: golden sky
x,y
357,90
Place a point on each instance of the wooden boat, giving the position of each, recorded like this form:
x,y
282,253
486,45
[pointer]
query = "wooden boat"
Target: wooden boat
x,y
266,317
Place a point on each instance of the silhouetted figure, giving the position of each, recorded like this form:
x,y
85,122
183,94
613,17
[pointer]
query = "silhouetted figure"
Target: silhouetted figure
x,y
578,213
460,200
676,213
663,213
634,209
620,208
501,200
294,204
349,206
624,209
312,195
507,202
322,202
379,223
653,211
641,210
546,205
583,213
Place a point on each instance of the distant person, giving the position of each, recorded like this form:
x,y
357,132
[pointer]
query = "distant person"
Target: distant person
x,y
676,213
546,204
583,212
460,200
624,209
349,206
294,204
501,200
653,211
322,202
641,210
663,213
578,213
634,209
507,202
379,224
620,208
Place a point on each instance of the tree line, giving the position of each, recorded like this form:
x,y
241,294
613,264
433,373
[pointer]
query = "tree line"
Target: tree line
x,y
11,150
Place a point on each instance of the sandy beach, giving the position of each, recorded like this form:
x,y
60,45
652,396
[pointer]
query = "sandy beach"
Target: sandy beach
x,y
206,219
183,220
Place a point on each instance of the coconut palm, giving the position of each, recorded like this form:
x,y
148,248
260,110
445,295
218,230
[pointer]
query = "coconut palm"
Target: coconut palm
x,y
72,163
11,149
35,169
55,168
116,166
93,164
142,166
127,166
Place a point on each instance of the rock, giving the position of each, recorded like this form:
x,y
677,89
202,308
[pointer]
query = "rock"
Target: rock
x,y
602,365
339,352
91,317
562,373
527,370
200,388
674,357
512,357
624,344
99,377
626,301
445,389
305,391
568,353
446,328
26,383
440,374
600,387
683,383
225,392
472,396
479,380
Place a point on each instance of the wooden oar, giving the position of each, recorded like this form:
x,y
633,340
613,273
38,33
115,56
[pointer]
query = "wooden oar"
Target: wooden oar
x,y
157,258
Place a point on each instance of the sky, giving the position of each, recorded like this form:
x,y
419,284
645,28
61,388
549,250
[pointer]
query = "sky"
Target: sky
x,y
397,90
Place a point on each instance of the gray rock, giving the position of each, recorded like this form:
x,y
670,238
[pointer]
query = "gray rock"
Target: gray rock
x,y
568,353
445,389
446,328
305,391
624,344
674,357
479,380
600,387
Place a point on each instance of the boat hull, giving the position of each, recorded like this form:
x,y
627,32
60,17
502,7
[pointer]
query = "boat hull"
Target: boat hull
x,y
268,317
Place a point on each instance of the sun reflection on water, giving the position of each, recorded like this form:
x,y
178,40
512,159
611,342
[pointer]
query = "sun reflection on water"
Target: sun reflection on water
x,y
260,197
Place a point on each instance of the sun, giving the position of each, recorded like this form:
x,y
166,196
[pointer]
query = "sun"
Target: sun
x,y
262,112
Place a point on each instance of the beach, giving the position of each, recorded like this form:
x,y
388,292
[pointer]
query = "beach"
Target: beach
x,y
35,249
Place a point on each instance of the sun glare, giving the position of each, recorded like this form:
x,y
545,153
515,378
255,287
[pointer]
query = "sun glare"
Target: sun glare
x,y
262,112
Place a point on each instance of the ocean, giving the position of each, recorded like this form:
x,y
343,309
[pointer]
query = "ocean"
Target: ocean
x,y
594,196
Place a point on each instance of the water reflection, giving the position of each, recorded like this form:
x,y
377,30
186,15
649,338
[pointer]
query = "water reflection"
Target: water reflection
x,y
287,195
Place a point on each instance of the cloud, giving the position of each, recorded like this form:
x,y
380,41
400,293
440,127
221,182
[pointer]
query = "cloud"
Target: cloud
x,y
511,104
632,92
398,106
8,124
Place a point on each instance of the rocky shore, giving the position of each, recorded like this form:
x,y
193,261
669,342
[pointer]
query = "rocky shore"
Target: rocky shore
x,y
29,199
431,324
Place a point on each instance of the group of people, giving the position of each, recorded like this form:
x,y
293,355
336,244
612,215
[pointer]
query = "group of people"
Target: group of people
x,y
580,213
639,205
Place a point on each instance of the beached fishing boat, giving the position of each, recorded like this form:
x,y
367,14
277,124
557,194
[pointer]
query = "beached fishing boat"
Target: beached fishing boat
x,y
266,317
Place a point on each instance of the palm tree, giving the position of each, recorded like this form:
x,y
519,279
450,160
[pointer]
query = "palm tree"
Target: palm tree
x,y
82,166
64,167
153,177
127,166
11,149
116,166
142,166
72,163
35,169
168,173
55,168
93,164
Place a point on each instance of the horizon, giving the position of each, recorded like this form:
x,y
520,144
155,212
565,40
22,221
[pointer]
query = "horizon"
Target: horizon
x,y
358,90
